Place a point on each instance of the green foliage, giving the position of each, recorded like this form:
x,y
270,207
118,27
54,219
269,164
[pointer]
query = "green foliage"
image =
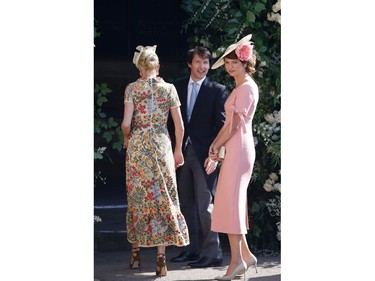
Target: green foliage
x,y
96,32
274,149
107,129
216,24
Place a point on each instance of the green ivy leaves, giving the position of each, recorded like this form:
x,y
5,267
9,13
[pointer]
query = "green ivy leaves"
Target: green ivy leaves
x,y
259,7
107,127
250,17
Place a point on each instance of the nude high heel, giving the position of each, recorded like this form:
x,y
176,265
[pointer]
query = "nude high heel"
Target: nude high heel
x,y
241,268
254,263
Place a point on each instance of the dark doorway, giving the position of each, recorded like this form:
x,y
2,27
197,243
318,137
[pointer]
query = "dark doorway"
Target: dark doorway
x,y
123,25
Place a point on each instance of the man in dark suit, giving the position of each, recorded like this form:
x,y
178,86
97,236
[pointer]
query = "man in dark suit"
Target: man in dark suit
x,y
202,108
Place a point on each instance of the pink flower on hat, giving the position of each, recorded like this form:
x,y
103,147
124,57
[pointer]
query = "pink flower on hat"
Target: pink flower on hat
x,y
244,51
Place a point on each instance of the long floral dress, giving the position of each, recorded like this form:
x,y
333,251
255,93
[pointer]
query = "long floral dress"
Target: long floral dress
x,y
153,216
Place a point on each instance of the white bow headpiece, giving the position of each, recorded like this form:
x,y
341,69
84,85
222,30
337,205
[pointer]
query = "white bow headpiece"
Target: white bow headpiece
x,y
139,51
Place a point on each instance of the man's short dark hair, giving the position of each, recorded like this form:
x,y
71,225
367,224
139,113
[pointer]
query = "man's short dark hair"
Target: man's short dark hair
x,y
200,51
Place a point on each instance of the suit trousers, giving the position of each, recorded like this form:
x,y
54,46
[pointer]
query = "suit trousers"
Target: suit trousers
x,y
196,202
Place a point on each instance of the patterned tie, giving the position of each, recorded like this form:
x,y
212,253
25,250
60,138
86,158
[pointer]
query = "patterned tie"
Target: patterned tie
x,y
193,97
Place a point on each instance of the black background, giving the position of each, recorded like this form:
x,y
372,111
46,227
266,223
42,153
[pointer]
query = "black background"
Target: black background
x,y
123,25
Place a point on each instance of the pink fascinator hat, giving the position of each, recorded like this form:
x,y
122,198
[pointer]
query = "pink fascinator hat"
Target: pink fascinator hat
x,y
243,49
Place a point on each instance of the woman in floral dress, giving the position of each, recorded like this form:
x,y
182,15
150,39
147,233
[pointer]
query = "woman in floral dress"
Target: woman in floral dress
x,y
153,216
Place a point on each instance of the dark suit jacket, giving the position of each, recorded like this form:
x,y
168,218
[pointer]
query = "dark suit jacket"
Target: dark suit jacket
x,y
207,118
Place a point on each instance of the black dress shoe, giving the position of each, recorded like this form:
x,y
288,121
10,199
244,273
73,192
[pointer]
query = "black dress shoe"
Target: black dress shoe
x,y
206,262
186,256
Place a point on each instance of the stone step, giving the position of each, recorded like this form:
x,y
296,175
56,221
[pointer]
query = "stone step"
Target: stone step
x,y
110,231
112,218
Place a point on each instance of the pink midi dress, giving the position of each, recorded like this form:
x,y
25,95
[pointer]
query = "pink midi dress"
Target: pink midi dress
x,y
230,206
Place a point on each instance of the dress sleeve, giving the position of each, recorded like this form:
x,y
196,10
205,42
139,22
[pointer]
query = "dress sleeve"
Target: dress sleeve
x,y
242,103
128,95
174,101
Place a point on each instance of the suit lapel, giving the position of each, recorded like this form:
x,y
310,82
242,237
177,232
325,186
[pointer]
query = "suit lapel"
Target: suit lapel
x,y
183,90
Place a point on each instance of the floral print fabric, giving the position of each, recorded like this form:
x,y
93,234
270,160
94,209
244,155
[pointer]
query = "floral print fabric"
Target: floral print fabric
x,y
153,217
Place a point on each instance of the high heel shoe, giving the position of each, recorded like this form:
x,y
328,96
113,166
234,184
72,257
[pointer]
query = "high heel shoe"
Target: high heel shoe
x,y
161,265
254,263
240,268
135,261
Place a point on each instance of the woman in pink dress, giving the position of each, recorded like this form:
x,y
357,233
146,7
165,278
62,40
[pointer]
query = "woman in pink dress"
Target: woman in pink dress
x,y
230,207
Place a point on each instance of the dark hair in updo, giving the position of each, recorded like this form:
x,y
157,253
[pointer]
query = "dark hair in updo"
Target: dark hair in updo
x,y
249,65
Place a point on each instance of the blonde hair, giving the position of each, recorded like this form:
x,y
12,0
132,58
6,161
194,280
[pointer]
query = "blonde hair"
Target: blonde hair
x,y
148,59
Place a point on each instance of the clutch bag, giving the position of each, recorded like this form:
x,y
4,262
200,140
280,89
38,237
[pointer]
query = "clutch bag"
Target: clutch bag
x,y
221,153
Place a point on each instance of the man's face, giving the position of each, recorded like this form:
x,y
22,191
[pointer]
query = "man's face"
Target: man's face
x,y
199,67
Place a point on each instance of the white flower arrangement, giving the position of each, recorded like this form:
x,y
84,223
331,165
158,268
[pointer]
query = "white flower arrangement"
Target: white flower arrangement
x,y
277,6
274,118
268,186
274,15
269,131
274,206
271,185
264,130
273,177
